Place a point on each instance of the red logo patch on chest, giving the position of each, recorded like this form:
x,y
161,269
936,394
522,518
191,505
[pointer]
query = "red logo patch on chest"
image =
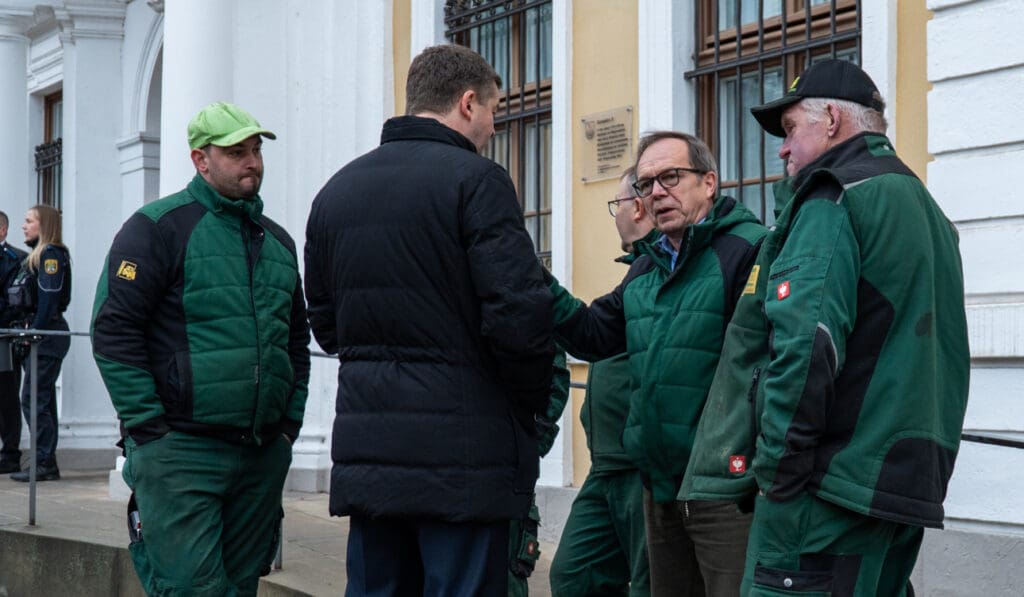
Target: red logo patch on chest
x,y
737,464
782,290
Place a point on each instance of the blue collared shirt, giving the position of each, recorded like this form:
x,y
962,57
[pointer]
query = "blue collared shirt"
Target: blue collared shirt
x,y
665,245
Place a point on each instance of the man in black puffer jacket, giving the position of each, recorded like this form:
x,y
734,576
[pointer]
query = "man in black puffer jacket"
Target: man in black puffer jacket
x,y
422,277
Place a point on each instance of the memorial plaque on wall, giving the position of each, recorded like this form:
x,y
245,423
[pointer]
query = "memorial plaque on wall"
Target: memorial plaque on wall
x,y
607,143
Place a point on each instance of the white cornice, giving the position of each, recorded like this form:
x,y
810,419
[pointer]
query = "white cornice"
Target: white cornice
x,y
14,24
92,20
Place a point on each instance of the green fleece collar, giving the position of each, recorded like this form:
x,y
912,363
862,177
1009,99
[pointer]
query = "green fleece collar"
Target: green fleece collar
x,y
217,203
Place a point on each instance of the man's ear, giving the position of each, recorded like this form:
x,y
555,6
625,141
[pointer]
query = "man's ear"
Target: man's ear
x,y
639,210
710,182
466,101
835,119
199,160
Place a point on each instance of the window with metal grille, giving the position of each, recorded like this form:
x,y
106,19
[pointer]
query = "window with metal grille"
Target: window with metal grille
x,y
48,154
515,37
747,52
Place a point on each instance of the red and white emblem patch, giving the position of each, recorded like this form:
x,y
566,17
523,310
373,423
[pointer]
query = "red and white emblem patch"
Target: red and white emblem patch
x,y
737,464
782,290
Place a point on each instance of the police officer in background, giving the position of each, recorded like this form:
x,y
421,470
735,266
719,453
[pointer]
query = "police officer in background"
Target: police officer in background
x,y
39,294
10,417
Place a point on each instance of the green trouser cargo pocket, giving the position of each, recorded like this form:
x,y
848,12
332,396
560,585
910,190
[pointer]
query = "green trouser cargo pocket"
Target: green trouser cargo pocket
x,y
772,582
525,547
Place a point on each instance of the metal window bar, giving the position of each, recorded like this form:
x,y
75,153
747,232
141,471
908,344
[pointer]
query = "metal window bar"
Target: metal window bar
x,y
764,44
525,102
48,157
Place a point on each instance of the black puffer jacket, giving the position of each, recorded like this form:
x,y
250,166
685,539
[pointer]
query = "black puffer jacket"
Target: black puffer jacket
x,y
421,276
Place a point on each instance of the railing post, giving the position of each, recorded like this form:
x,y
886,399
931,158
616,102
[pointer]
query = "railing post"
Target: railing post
x,y
33,360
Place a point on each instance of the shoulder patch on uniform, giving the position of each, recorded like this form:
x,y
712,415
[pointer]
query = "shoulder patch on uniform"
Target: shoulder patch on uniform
x,y
751,286
50,266
126,271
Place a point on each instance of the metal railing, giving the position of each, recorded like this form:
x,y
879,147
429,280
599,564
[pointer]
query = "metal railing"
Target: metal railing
x,y
33,337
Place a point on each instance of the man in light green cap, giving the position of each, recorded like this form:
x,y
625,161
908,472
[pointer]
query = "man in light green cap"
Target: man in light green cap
x,y
200,333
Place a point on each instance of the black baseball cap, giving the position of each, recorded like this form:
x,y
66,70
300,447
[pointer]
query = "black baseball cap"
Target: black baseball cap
x,y
833,78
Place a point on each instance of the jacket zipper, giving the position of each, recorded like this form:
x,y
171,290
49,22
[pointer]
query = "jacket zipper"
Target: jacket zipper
x,y
752,398
251,262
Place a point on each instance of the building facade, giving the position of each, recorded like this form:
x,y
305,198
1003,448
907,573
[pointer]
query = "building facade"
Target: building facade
x,y
95,96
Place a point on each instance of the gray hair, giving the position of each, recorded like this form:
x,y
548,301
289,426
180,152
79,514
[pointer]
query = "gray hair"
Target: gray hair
x,y
862,118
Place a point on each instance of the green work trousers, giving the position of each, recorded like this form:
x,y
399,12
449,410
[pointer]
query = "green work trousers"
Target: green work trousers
x,y
523,551
210,512
603,549
808,546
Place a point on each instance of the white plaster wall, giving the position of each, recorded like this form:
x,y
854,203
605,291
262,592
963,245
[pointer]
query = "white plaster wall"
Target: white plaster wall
x,y
976,67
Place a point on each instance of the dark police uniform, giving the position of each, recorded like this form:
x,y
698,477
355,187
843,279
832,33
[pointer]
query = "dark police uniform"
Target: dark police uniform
x,y
38,300
10,416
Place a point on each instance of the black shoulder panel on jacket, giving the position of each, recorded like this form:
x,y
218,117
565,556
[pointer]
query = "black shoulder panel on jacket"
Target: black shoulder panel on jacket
x,y
852,172
736,256
279,233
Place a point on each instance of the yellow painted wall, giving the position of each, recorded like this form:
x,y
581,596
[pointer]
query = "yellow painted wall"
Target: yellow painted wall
x,y
401,23
912,85
604,68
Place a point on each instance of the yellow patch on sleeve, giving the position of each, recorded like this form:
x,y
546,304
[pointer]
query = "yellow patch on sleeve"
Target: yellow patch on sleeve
x,y
126,271
752,280
50,266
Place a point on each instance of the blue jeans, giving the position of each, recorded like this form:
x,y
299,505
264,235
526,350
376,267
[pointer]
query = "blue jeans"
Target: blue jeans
x,y
397,557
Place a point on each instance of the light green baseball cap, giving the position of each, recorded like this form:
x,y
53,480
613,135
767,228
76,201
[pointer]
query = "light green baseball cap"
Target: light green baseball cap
x,y
223,124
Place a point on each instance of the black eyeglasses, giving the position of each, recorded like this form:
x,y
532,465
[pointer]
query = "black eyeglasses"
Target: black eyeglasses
x,y
613,205
667,179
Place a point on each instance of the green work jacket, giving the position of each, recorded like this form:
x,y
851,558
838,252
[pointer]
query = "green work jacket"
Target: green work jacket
x,y
671,322
849,344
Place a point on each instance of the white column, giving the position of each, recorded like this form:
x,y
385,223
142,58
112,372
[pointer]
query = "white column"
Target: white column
x,y
426,26
91,38
665,36
197,61
15,150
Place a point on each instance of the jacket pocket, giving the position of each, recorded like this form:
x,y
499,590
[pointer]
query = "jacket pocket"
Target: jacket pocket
x,y
527,466
178,396
770,582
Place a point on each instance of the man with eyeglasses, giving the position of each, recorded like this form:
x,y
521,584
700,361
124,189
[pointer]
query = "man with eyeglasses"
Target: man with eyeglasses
x,y
603,549
669,314
848,353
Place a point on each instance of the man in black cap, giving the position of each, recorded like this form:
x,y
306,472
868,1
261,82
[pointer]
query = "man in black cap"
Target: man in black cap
x,y
861,393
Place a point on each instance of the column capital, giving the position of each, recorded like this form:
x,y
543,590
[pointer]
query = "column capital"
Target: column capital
x,y
14,24
103,19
